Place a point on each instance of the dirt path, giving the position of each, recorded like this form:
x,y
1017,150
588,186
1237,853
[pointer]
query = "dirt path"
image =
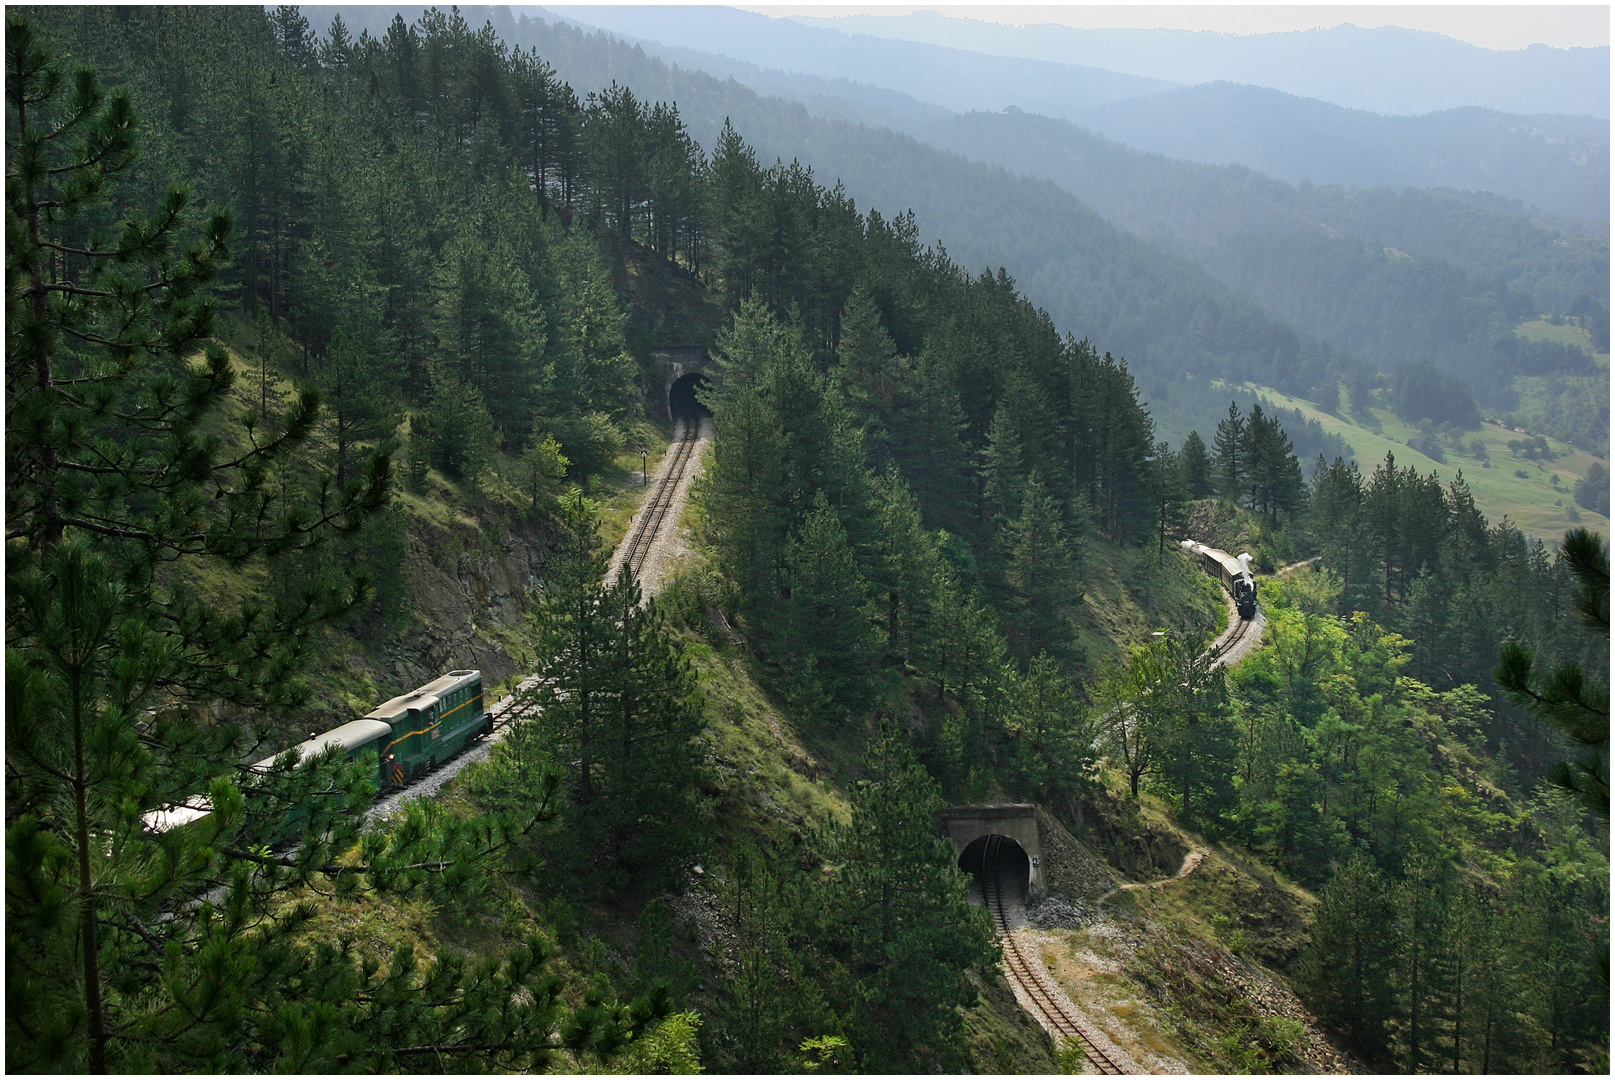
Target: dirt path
x,y
1191,863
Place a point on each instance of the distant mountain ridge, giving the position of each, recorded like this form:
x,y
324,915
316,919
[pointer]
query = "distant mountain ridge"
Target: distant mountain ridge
x,y
1386,69
1557,163
955,79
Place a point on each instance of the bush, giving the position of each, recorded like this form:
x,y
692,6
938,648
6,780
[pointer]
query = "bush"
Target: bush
x,y
1592,490
1420,390
591,443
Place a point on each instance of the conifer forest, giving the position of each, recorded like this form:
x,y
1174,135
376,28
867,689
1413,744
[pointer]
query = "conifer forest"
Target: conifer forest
x,y
343,354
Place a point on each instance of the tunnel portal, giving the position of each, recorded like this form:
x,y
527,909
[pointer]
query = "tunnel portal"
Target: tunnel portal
x,y
969,826
1014,867
683,400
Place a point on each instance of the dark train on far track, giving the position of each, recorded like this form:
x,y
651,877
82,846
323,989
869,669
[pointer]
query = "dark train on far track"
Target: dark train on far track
x,y
407,735
1234,573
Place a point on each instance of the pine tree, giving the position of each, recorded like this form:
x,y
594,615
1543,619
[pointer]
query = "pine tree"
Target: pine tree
x,y
593,372
772,1000
616,156
868,359
1197,744
1051,734
1042,576
1424,903
1566,697
931,445
829,622
359,413
619,713
1346,970
898,921
650,818
577,629
1195,464
1233,468
1168,496
1003,470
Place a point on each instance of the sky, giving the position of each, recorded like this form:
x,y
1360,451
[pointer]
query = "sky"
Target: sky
x,y
1491,26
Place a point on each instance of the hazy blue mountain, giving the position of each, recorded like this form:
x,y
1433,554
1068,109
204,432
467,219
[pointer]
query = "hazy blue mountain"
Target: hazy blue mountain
x,y
1182,204
1558,163
952,78
1386,70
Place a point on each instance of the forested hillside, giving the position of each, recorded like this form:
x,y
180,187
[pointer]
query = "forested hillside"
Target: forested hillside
x,y
287,310
1176,325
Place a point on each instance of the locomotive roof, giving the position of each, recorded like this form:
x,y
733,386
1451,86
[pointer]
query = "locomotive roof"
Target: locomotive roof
x,y
423,696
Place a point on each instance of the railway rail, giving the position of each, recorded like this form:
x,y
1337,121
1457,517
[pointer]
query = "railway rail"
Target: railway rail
x,y
1029,976
520,702
649,523
1237,634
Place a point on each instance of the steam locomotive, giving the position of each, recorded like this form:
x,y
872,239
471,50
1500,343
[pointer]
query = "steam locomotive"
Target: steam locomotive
x,y
1235,574
409,735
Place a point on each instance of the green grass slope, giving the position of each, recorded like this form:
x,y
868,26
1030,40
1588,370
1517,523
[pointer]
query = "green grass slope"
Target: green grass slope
x,y
1533,502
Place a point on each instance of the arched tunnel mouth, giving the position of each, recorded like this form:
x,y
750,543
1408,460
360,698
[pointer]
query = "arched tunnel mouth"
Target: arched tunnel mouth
x,y
682,400
1014,868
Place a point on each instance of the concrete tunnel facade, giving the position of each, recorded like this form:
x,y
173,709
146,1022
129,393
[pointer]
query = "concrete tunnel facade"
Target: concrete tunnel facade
x,y
685,369
1018,821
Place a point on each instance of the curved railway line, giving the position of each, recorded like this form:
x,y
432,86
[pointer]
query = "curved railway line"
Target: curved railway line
x,y
1237,634
1029,976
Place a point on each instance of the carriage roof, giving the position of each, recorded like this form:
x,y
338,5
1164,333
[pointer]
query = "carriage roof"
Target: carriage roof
x,y
350,736
1229,563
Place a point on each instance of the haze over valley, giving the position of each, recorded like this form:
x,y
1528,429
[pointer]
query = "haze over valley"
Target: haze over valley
x,y
597,539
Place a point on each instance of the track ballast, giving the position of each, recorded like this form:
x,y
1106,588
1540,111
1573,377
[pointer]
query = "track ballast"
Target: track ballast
x,y
1028,974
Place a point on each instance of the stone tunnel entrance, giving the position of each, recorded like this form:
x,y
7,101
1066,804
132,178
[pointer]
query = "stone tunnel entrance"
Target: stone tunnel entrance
x,y
683,400
1021,860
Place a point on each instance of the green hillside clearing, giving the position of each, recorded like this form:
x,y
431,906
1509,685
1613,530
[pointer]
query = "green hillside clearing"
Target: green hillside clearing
x,y
1562,334
1532,502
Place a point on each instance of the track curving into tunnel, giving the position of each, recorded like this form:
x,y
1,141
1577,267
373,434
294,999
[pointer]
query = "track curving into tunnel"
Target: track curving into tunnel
x,y
1002,869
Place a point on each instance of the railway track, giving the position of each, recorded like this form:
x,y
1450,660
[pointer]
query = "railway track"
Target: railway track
x,y
1028,973
521,702
1241,628
649,523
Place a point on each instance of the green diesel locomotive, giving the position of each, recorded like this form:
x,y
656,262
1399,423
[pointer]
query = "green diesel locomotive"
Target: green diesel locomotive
x,y
408,736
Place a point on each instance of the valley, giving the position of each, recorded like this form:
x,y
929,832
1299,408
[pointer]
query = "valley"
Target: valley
x,y
833,511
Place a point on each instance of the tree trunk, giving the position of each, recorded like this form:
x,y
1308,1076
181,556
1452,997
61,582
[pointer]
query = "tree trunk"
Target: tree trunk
x,y
87,914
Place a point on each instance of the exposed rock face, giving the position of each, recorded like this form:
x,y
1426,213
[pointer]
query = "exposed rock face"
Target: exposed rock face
x,y
470,584
1070,868
1135,846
